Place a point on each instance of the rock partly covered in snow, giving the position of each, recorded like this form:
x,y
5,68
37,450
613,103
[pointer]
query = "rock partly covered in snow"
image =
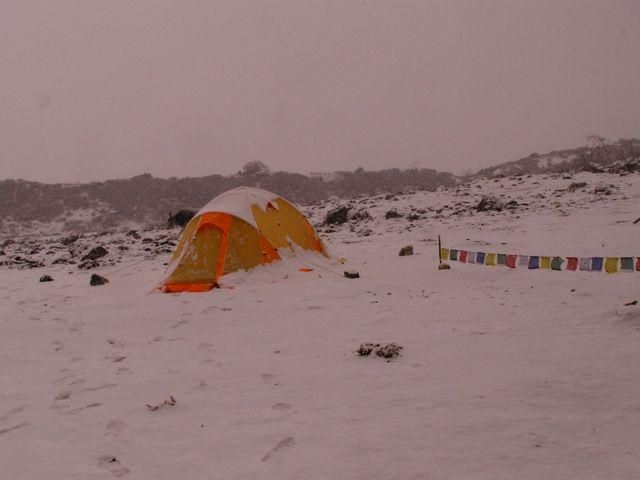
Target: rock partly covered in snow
x,y
97,280
404,251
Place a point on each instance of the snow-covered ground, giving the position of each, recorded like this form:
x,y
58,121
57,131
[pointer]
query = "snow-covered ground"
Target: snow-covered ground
x,y
504,373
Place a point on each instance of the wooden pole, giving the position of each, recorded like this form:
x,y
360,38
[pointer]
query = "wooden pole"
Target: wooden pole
x,y
439,250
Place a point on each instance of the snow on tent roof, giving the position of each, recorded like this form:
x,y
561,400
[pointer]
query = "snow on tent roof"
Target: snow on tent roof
x,y
238,202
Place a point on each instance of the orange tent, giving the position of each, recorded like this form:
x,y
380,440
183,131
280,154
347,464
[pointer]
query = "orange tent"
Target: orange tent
x,y
238,230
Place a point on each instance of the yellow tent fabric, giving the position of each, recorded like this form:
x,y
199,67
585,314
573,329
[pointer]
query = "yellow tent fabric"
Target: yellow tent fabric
x,y
238,230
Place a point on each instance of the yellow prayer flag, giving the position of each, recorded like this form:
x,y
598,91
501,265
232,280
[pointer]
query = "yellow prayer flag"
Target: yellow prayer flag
x,y
491,259
611,265
444,253
545,263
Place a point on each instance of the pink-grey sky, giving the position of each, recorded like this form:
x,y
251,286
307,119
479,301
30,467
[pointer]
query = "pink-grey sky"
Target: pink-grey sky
x,y
98,89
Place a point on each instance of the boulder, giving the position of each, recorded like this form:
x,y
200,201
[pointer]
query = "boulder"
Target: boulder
x,y
181,218
98,280
405,251
95,253
392,214
337,216
46,278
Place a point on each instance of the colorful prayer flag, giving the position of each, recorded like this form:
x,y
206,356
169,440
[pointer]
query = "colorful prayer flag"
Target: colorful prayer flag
x,y
453,254
585,264
556,263
611,265
534,263
491,259
511,261
502,259
638,264
523,260
596,264
444,253
471,257
480,256
463,256
572,263
545,263
626,264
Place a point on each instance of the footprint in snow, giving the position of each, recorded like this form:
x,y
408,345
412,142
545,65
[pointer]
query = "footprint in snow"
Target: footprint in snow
x,y
209,361
115,343
5,428
111,463
205,346
56,346
268,377
12,412
76,327
282,407
14,427
115,357
115,427
276,454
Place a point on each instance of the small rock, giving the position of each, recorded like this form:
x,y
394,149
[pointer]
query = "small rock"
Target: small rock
x,y
361,215
389,350
392,214
68,240
365,349
88,265
576,186
97,280
95,253
351,274
46,278
604,190
489,203
404,251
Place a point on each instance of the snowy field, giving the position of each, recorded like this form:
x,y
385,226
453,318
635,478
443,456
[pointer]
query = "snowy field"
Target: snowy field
x,y
505,374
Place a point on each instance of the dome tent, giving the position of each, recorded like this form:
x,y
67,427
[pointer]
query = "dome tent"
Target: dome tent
x,y
238,230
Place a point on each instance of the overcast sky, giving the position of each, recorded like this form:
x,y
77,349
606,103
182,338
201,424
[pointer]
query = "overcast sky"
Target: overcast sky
x,y
91,90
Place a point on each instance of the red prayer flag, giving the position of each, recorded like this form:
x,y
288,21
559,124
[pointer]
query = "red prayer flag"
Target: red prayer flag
x,y
572,263
511,261
462,256
638,265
